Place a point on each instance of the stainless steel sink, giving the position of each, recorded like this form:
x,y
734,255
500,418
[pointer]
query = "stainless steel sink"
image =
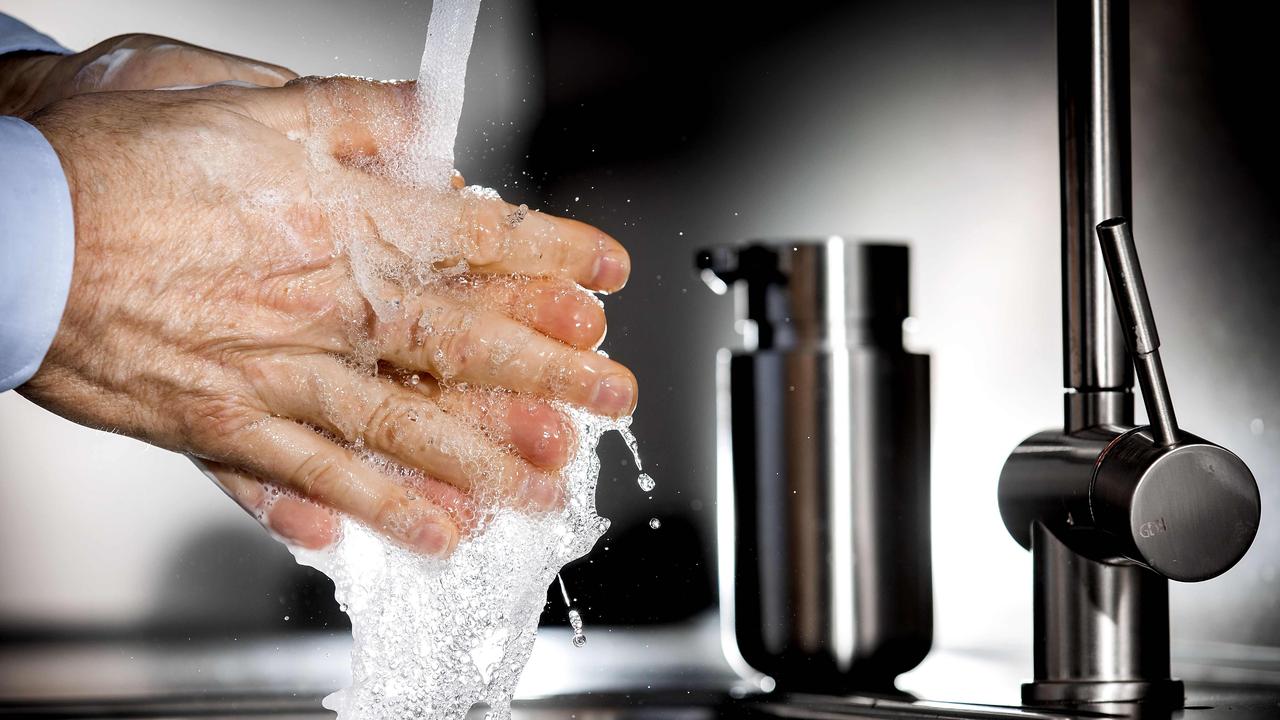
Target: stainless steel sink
x,y
664,672
1206,704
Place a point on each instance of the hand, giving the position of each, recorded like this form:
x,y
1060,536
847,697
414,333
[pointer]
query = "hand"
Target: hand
x,y
244,266
125,62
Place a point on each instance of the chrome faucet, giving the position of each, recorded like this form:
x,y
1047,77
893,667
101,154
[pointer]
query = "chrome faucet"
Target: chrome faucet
x,y
1111,511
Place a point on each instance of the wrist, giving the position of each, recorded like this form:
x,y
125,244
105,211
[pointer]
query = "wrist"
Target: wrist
x,y
22,78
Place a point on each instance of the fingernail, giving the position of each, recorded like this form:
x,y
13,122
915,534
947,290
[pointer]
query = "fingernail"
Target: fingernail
x,y
572,316
542,435
432,537
610,271
542,490
614,395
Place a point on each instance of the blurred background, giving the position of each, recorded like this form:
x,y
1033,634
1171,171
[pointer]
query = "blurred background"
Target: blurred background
x,y
674,125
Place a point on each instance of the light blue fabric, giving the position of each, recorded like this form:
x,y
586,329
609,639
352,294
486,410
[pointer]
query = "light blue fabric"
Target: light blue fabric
x,y
15,36
37,249
37,231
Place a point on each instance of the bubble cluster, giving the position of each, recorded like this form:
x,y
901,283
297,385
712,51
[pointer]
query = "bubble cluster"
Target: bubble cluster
x,y
432,638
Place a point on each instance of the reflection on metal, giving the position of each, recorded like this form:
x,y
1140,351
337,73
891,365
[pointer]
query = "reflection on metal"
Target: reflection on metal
x,y
653,705
285,677
1108,510
823,468
1093,126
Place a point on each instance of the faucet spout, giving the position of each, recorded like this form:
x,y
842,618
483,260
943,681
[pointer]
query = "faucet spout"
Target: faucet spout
x,y
1093,132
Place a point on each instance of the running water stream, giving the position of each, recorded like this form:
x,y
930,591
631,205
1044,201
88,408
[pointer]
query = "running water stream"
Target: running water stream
x,y
433,638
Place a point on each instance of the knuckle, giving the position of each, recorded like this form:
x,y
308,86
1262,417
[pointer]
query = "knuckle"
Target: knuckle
x,y
391,512
456,344
489,239
387,422
320,476
213,418
553,374
488,247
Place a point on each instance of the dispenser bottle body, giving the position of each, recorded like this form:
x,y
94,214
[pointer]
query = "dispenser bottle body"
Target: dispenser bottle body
x,y
825,572
833,584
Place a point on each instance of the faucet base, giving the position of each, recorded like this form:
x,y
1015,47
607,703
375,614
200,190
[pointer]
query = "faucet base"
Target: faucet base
x,y
1169,693
1101,630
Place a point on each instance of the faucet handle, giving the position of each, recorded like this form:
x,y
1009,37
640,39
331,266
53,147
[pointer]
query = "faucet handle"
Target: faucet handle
x,y
1130,293
1181,505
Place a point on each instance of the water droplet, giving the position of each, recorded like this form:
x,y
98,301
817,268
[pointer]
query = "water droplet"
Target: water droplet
x,y
414,379
655,523
575,622
646,483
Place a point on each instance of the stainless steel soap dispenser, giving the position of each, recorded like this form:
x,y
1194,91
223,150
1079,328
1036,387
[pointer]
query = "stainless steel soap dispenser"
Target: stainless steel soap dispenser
x,y
823,492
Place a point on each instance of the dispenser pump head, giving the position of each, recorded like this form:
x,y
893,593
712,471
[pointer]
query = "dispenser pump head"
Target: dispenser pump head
x,y
814,291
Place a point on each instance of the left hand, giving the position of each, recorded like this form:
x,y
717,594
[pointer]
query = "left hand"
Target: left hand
x,y
29,82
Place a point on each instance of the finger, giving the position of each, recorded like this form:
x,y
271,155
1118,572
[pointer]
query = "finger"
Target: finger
x,y
540,433
296,520
555,309
447,229
505,238
458,343
297,458
400,422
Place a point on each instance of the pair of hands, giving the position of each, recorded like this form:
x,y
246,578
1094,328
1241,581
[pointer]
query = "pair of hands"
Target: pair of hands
x,y
219,306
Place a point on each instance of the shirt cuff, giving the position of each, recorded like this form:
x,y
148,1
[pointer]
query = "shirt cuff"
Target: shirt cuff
x,y
37,249
17,36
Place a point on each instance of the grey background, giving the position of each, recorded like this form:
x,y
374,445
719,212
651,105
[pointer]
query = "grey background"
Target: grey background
x,y
676,126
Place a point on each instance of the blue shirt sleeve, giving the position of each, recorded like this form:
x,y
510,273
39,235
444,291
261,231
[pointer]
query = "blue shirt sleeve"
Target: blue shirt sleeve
x,y
16,36
37,249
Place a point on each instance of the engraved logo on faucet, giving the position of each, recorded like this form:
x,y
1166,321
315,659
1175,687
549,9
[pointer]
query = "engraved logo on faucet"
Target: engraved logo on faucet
x,y
1152,528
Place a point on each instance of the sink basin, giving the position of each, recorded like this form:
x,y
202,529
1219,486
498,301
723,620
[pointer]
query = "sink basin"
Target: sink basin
x,y
660,672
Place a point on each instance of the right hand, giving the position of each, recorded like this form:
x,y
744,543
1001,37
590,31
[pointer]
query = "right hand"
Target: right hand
x,y
214,309
136,61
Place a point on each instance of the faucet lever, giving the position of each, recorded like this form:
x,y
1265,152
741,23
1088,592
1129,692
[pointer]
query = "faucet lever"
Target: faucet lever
x,y
1130,293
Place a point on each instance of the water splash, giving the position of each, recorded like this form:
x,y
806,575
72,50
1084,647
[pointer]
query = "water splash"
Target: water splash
x,y
432,638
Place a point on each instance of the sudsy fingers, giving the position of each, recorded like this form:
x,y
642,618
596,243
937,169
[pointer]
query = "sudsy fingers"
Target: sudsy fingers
x,y
532,427
458,343
298,521
296,457
554,308
393,419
